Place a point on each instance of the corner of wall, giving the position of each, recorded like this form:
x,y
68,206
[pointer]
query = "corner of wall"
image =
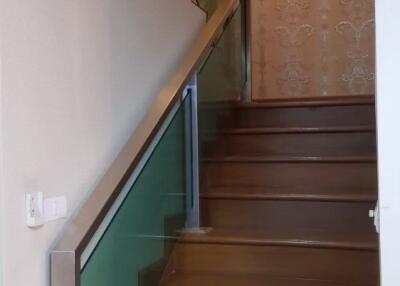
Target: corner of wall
x,y
84,77
1,176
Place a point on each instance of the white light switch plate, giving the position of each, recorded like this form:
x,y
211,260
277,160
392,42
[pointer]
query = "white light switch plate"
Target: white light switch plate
x,y
55,208
34,209
40,211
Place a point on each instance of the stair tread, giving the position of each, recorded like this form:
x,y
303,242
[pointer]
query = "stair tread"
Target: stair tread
x,y
301,237
296,130
286,192
309,102
210,279
260,158
249,192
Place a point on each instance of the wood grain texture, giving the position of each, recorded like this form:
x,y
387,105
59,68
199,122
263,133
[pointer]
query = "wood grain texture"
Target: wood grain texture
x,y
290,194
347,266
294,236
292,175
294,130
267,115
357,143
210,279
321,101
286,193
334,216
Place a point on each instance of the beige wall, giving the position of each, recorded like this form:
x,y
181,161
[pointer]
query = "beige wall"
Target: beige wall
x,y
76,77
307,48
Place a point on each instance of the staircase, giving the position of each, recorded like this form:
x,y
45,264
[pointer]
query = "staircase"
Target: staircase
x,y
286,196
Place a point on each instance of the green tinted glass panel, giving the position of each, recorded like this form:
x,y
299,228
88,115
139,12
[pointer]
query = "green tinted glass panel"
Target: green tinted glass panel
x,y
208,5
136,246
220,80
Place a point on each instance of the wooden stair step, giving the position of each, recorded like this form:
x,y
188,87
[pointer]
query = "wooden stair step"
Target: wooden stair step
x,y
297,130
294,142
292,194
309,101
358,267
286,191
291,172
338,216
303,237
211,279
292,159
306,113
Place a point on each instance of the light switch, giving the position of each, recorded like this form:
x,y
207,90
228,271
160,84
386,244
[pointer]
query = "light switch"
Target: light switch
x,y
55,208
40,211
34,209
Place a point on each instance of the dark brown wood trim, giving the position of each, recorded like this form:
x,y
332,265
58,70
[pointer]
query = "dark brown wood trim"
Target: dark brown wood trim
x,y
267,241
291,197
296,130
310,102
291,159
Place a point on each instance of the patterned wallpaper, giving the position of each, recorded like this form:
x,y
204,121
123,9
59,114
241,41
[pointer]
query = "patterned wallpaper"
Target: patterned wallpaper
x,y
306,48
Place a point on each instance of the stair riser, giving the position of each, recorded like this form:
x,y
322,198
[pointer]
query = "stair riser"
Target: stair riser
x,y
292,175
314,144
306,116
311,194
338,216
319,229
295,262
205,279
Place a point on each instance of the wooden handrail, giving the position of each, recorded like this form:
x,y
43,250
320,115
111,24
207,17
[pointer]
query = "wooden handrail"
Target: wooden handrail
x,y
65,257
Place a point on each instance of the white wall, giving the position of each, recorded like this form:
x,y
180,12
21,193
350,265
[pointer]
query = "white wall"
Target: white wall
x,y
1,182
76,77
1,187
388,108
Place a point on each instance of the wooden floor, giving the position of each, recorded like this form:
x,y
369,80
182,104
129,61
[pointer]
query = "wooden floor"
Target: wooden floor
x,y
286,195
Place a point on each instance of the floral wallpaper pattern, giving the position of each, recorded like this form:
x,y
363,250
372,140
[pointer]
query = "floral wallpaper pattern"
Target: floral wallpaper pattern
x,y
306,48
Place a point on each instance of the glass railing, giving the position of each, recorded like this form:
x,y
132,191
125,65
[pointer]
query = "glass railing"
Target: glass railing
x,y
136,244
220,82
207,5
125,233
